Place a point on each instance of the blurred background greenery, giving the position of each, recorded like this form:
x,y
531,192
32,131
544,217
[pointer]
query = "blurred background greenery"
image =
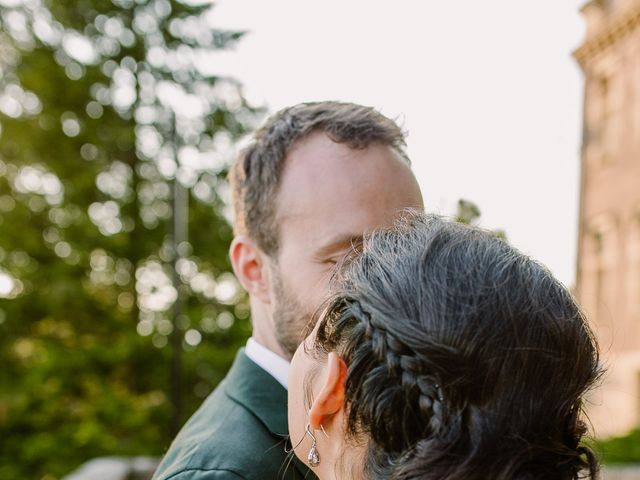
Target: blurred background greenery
x,y
107,109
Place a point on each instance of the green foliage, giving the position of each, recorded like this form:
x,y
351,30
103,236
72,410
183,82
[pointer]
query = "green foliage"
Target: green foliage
x,y
103,105
469,213
617,450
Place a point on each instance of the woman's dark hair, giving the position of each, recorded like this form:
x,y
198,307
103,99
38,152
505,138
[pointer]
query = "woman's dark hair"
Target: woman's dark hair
x,y
466,359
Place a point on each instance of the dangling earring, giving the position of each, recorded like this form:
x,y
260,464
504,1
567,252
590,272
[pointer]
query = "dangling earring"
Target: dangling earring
x,y
314,455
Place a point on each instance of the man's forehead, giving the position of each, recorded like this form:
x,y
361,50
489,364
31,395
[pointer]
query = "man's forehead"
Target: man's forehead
x,y
328,182
331,194
316,155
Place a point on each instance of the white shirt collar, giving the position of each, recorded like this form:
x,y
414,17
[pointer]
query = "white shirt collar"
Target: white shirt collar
x,y
271,362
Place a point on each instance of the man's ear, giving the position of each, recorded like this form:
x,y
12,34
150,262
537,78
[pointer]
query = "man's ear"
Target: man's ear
x,y
330,399
250,266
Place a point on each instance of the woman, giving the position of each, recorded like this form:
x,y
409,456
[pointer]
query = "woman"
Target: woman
x,y
444,354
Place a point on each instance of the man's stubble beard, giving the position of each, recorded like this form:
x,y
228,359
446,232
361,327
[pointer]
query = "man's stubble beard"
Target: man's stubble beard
x,y
289,316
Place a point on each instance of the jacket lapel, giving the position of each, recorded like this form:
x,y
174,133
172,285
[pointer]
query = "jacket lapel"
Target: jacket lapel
x,y
265,397
259,392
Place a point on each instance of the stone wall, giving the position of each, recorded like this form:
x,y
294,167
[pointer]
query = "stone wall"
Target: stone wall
x,y
608,264
621,473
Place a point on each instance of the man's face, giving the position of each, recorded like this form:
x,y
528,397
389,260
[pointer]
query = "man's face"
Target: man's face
x,y
329,196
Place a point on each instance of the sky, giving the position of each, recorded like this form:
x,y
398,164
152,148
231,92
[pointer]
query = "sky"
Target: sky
x,y
487,91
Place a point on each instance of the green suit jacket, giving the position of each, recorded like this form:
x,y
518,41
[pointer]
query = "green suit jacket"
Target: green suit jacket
x,y
239,432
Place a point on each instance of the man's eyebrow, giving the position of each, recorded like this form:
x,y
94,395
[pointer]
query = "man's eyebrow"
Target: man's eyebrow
x,y
337,243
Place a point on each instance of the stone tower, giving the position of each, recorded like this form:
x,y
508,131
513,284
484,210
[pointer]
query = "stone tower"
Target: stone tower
x,y
608,273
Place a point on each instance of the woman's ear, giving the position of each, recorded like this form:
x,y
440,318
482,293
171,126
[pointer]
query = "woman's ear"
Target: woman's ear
x,y
330,399
250,266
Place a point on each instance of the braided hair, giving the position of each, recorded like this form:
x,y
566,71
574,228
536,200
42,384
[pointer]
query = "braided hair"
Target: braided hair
x,y
466,359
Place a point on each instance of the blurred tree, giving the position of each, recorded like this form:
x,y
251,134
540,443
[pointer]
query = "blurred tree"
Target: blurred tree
x,y
469,213
619,450
103,106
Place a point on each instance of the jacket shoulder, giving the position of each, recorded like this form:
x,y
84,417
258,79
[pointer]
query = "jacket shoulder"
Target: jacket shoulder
x,y
228,435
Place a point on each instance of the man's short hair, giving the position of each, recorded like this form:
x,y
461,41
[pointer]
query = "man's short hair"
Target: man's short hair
x,y
256,174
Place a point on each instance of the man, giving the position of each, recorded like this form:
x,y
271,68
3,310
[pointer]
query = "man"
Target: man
x,y
315,179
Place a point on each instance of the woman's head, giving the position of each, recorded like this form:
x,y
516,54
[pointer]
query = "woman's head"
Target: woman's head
x,y
445,353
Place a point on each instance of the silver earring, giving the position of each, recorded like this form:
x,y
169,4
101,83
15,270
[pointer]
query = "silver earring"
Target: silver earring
x,y
314,455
